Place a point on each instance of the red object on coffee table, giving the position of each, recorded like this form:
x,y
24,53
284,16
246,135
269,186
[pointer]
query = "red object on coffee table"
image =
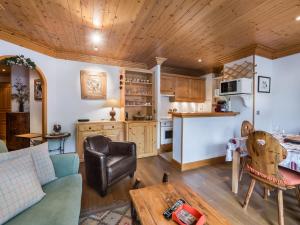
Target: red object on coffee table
x,y
199,216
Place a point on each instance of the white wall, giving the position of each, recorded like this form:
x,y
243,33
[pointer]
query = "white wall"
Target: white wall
x,y
285,90
263,101
64,104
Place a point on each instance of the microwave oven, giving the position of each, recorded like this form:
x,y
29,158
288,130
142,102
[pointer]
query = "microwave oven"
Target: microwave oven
x,y
235,87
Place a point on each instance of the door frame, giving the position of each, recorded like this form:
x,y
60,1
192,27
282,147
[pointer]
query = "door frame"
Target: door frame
x,y
44,95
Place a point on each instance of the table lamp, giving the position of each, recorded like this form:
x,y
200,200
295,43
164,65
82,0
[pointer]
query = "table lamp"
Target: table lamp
x,y
112,103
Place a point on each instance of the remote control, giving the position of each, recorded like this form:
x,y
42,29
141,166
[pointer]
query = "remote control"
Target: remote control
x,y
168,213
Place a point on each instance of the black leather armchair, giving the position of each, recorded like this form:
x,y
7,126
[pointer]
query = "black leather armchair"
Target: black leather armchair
x,y
107,162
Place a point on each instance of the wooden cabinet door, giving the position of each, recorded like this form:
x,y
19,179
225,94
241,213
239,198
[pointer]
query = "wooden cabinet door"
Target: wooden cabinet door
x,y
144,136
167,85
182,91
197,90
5,106
137,134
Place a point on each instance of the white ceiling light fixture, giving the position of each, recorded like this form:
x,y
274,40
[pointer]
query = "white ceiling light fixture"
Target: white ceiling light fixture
x,y
96,21
297,18
96,38
199,60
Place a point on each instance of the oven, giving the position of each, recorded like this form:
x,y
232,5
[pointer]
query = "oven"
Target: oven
x,y
166,132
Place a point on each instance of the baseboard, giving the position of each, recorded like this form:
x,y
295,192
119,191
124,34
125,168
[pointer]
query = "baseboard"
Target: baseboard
x,y
165,148
197,164
176,164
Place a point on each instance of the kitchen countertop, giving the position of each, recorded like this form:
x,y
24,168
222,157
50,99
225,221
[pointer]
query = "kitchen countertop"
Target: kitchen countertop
x,y
204,114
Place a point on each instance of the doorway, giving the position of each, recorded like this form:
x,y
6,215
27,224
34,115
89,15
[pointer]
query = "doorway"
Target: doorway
x,y
35,108
5,98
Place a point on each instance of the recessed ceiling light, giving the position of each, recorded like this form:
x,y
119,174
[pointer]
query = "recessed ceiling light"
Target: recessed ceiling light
x,y
3,70
96,38
199,60
96,21
297,18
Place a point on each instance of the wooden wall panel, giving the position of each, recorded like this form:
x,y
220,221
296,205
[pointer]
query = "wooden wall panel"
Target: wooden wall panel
x,y
134,32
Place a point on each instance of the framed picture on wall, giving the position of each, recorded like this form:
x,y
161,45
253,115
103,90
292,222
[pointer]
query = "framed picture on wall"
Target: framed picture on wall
x,y
264,84
93,84
38,91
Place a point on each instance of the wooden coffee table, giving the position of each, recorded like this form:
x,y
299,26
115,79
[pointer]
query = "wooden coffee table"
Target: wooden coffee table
x,y
151,202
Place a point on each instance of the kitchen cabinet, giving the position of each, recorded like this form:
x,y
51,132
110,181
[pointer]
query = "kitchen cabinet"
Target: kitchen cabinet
x,y
197,90
167,85
144,135
183,88
113,130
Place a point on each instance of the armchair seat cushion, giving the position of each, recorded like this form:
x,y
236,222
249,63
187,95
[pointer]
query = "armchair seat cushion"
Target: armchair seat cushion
x,y
290,178
117,164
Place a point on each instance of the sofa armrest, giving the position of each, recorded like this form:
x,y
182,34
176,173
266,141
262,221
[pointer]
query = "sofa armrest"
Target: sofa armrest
x,y
65,164
122,148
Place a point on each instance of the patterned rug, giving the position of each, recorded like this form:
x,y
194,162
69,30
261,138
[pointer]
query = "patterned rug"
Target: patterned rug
x,y
116,214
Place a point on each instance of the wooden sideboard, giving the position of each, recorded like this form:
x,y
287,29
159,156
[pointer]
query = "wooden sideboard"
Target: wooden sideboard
x,y
17,123
142,133
113,130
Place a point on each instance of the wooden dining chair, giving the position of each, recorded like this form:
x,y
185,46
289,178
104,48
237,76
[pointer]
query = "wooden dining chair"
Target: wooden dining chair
x,y
246,129
266,153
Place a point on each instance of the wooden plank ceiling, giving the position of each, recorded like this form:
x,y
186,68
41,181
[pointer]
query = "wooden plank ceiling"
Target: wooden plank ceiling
x,y
138,30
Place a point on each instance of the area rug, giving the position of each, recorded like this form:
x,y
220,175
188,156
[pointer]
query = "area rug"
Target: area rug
x,y
115,214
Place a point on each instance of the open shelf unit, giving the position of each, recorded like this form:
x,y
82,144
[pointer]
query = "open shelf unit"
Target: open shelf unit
x,y
137,94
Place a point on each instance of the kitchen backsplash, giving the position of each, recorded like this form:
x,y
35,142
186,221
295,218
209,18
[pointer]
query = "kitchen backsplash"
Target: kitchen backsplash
x,y
183,106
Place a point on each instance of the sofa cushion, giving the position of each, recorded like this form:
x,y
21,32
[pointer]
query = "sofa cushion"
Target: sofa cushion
x,y
60,206
40,155
19,187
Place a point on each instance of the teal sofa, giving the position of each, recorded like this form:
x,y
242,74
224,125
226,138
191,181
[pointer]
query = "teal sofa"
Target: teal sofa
x,y
62,202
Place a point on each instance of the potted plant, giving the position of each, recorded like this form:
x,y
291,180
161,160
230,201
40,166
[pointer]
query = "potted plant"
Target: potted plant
x,y
21,94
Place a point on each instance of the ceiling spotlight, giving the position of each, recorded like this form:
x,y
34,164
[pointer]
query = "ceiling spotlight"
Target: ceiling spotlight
x,y
199,60
96,22
3,70
96,48
297,18
96,38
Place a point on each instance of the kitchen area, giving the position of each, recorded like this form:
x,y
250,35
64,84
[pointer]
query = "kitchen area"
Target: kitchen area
x,y
198,115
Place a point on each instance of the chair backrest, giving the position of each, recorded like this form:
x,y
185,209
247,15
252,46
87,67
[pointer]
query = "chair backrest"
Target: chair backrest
x,y
97,143
3,147
246,128
266,153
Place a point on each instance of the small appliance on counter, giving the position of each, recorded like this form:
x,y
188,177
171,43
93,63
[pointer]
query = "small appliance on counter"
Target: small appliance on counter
x,y
222,106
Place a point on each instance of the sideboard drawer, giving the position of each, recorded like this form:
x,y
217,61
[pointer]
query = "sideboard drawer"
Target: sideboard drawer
x,y
113,126
90,127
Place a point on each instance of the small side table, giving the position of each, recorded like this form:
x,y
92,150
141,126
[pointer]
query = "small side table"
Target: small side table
x,y
61,138
30,136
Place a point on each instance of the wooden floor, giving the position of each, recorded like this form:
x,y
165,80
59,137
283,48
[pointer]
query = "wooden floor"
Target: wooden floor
x,y
213,183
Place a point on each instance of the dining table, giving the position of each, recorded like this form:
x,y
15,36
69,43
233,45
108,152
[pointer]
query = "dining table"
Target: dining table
x,y
237,149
